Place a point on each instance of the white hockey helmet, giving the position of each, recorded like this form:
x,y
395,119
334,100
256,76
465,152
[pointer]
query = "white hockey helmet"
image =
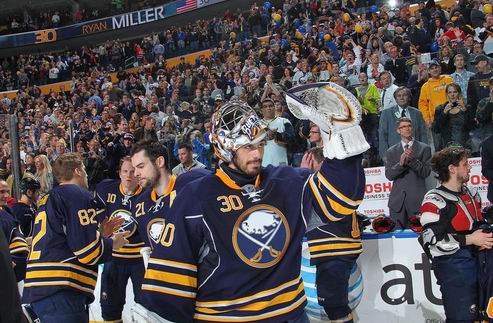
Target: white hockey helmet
x,y
235,125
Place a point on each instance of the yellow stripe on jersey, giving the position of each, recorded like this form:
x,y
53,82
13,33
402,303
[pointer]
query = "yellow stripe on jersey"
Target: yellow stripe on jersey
x,y
89,246
59,283
336,192
128,250
339,253
259,306
170,291
320,201
252,318
167,277
61,274
134,256
93,255
58,264
310,242
174,264
17,244
247,299
335,246
338,208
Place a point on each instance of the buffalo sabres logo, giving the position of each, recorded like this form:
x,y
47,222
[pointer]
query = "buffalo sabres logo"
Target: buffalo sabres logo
x,y
261,236
129,223
154,231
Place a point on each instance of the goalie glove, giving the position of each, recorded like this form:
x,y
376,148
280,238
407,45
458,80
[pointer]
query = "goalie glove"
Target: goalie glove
x,y
335,111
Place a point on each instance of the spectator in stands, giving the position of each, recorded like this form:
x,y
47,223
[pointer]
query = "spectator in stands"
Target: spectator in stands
x,y
314,137
43,174
369,97
451,118
279,135
432,95
407,165
187,162
397,66
478,87
388,89
461,76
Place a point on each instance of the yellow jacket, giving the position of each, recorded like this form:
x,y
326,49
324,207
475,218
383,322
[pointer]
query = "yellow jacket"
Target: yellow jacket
x,y
432,95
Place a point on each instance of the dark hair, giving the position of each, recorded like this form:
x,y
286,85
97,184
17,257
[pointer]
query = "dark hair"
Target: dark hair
x,y
317,153
446,157
153,150
185,145
454,85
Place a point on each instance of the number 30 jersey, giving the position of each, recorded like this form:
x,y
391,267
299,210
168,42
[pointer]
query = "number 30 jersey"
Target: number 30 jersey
x,y
233,254
66,246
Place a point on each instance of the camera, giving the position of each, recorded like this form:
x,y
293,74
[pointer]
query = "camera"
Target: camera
x,y
455,104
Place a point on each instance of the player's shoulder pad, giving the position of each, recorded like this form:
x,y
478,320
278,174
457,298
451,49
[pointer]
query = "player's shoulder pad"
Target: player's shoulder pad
x,y
284,172
474,193
438,198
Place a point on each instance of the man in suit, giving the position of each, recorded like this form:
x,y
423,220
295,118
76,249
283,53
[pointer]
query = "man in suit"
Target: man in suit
x,y
408,164
487,164
387,136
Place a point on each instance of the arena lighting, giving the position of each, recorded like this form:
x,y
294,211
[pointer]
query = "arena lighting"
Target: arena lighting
x,y
392,3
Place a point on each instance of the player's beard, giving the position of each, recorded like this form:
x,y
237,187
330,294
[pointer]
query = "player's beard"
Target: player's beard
x,y
152,180
244,168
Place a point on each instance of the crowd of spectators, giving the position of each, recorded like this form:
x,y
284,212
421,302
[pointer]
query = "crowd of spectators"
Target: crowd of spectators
x,y
432,58
28,19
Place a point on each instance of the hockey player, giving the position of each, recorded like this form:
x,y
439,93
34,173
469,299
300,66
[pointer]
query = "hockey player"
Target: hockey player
x,y
17,243
150,160
450,215
25,209
66,247
117,197
231,249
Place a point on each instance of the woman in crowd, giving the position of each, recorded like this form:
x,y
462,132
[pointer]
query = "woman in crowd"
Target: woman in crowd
x,y
451,117
43,173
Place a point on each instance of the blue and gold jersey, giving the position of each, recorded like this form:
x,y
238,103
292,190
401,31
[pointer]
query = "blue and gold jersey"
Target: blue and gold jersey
x,y
17,243
110,193
149,209
232,254
66,246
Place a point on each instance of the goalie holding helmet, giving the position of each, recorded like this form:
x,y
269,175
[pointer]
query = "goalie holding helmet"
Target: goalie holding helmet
x,y
232,250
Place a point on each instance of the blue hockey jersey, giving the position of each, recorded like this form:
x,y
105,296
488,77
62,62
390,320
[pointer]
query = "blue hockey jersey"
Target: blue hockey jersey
x,y
17,244
66,246
149,209
111,195
232,254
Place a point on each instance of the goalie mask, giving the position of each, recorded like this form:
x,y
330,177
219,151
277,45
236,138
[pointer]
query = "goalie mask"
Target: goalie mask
x,y
335,111
235,125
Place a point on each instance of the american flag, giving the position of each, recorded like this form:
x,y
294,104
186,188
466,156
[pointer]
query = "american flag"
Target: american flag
x,y
185,5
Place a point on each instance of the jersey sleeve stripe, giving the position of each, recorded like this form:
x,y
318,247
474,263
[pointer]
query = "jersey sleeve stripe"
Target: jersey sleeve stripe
x,y
167,277
128,250
336,192
174,264
340,253
320,201
95,254
338,208
335,246
89,246
167,290
310,242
